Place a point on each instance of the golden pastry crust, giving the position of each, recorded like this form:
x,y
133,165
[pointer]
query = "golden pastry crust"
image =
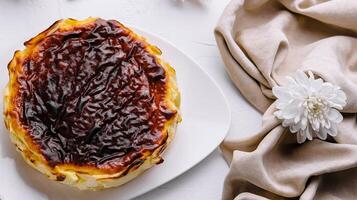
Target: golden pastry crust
x,y
84,175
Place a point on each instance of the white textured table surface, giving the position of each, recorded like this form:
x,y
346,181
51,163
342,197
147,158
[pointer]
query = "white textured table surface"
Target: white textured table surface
x,y
188,25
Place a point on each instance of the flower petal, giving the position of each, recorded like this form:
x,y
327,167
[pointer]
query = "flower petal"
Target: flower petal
x,y
290,111
315,124
278,114
334,116
287,122
316,85
303,123
322,134
333,130
338,100
327,90
281,93
301,78
301,137
308,132
294,128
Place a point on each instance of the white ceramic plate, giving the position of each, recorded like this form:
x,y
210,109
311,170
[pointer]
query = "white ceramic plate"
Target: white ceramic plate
x,y
206,119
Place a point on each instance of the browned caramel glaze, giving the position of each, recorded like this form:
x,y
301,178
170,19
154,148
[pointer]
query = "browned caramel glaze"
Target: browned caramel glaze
x,y
92,96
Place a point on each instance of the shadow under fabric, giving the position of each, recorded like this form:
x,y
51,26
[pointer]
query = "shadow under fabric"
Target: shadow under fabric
x,y
262,42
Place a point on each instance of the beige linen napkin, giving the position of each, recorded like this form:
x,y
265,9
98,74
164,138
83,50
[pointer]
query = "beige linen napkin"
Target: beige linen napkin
x,y
262,42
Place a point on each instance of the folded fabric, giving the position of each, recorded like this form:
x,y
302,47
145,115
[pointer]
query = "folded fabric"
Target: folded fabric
x,y
262,42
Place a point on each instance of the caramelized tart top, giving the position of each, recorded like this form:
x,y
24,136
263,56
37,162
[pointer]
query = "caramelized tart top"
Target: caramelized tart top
x,y
92,94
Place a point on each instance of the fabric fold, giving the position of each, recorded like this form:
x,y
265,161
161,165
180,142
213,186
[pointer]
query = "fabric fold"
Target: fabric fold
x,y
263,41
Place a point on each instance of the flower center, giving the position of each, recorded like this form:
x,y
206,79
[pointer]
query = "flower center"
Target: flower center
x,y
315,106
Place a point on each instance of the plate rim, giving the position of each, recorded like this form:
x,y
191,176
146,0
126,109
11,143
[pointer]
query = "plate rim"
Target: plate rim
x,y
142,33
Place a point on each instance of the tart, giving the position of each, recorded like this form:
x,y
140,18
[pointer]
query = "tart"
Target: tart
x,y
90,103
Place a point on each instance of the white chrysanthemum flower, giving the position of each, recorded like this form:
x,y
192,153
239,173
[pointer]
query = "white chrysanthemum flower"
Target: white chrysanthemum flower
x,y
309,106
